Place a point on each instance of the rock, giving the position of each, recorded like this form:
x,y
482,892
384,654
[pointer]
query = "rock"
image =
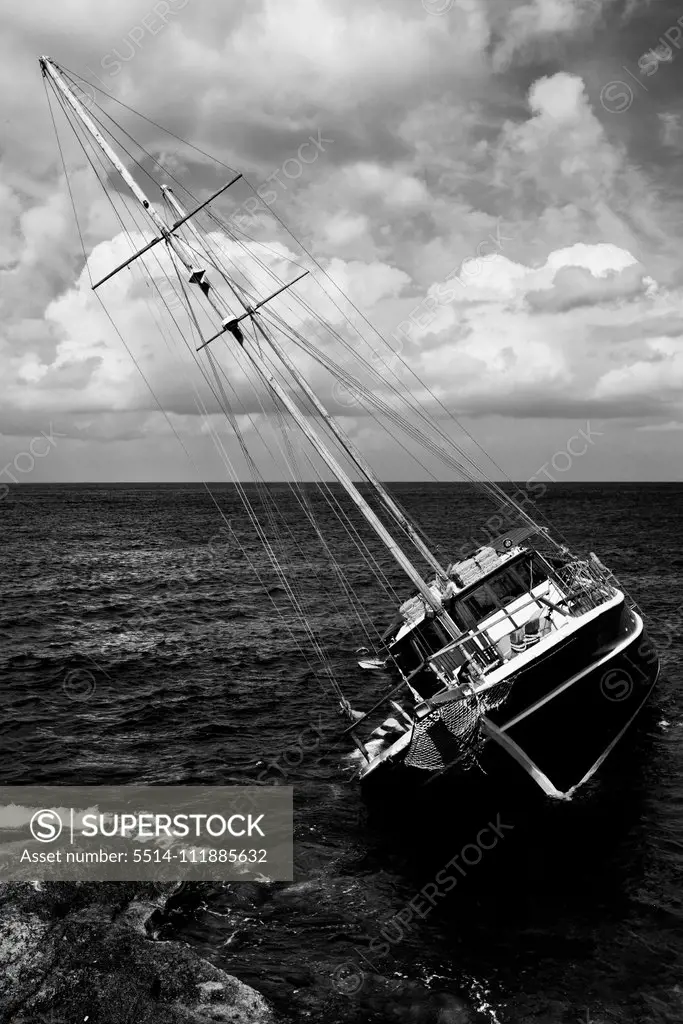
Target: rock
x,y
81,953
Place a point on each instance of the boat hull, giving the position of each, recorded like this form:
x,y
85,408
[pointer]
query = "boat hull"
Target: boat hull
x,y
567,733
566,712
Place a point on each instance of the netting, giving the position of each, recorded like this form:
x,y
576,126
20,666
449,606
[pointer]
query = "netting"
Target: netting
x,y
451,734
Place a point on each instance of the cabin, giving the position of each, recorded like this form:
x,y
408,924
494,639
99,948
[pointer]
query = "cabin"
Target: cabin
x,y
503,602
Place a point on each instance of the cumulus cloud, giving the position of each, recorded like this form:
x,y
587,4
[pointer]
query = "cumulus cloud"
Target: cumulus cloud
x,y
576,286
463,162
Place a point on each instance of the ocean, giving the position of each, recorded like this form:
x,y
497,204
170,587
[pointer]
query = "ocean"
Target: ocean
x,y
148,639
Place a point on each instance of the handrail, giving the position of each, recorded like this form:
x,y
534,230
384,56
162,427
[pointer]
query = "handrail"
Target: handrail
x,y
482,629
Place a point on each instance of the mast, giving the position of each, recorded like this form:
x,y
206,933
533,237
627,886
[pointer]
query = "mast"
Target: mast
x,y
198,277
197,274
343,438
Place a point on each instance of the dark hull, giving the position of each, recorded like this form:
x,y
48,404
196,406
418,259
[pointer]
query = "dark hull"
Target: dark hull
x,y
566,712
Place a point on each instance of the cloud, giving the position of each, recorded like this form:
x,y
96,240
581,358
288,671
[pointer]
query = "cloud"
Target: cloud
x,y
663,428
447,133
535,24
575,286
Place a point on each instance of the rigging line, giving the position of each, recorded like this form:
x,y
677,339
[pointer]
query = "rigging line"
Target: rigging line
x,y
373,399
237,289
109,197
245,501
140,146
282,576
121,146
130,240
306,556
347,524
299,494
263,412
141,231
353,599
303,618
381,337
382,424
106,170
396,518
120,219
147,271
354,384
66,175
372,369
252,515
224,225
378,571
130,213
294,489
302,653
506,499
374,372
150,121
502,495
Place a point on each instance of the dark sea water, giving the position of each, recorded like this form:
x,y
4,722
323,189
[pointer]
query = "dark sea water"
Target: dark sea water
x,y
144,641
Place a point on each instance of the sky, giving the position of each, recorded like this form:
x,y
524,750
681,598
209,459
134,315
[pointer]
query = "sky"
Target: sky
x,y
494,183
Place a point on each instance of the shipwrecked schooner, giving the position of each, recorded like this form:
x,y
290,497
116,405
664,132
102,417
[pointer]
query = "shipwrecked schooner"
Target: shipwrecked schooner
x,y
522,653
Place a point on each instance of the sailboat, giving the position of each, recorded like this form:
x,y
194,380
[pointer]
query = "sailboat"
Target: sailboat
x,y
517,657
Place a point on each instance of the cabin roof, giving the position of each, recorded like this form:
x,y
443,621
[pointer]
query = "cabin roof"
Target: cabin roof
x,y
502,561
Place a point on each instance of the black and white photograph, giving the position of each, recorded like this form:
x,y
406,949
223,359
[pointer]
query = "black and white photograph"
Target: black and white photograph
x,y
341,512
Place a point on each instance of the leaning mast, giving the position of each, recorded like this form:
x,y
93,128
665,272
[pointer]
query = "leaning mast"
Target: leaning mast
x,y
345,441
230,324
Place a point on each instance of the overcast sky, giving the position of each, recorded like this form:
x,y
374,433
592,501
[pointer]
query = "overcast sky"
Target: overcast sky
x,y
529,150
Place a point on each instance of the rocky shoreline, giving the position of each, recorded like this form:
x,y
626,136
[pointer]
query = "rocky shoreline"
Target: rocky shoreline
x,y
82,953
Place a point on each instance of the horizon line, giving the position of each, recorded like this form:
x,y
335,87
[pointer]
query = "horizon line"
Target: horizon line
x,y
291,483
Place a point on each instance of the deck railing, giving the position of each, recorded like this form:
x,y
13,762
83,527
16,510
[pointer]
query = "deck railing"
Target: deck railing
x,y
585,587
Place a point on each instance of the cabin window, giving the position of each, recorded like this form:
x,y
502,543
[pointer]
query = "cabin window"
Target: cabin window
x,y
481,603
507,587
460,618
521,572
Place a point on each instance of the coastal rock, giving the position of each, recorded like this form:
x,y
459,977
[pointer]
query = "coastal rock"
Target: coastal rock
x,y
80,954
